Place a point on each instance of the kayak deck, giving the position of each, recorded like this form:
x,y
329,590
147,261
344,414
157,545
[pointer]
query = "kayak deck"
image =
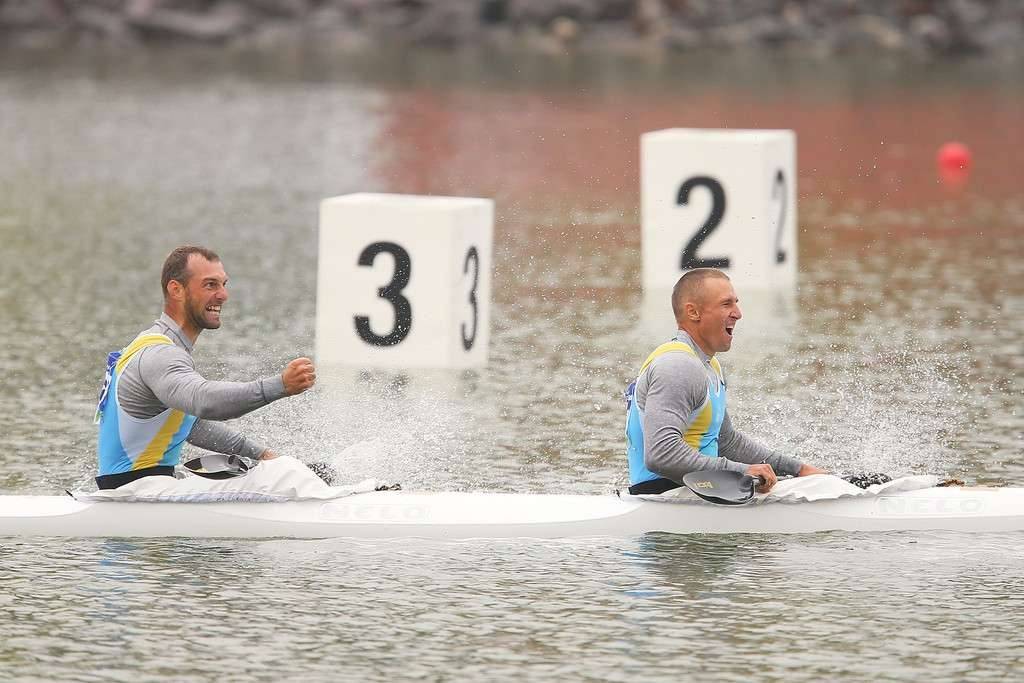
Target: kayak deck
x,y
401,514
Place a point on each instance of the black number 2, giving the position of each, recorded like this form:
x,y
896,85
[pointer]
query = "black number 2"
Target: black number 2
x,y
392,292
471,255
779,191
690,258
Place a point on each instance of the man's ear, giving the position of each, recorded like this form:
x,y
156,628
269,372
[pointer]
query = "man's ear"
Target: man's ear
x,y
175,291
691,312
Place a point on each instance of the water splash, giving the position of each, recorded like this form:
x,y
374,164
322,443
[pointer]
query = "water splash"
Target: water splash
x,y
869,409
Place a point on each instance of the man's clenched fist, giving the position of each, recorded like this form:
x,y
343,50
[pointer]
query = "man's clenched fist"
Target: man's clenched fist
x,y
298,376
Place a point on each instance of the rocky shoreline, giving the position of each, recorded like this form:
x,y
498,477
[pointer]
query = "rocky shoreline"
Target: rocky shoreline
x,y
928,29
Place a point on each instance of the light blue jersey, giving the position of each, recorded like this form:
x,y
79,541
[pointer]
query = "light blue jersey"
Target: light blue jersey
x,y
128,443
701,429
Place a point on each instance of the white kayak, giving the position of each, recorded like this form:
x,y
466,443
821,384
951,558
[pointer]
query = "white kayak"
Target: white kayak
x,y
401,514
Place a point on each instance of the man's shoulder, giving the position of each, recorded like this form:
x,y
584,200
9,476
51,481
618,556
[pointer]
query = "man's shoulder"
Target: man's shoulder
x,y
675,357
161,336
163,355
678,370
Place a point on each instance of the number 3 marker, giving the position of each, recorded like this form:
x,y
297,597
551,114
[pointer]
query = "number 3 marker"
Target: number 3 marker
x,y
404,281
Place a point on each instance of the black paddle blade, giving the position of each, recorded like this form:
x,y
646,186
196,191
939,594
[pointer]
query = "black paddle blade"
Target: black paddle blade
x,y
866,479
218,466
325,471
721,487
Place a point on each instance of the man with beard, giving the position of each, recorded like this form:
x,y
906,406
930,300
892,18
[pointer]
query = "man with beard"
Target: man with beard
x,y
154,400
676,417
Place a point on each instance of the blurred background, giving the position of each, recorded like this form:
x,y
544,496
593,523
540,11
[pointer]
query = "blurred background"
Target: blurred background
x,y
823,28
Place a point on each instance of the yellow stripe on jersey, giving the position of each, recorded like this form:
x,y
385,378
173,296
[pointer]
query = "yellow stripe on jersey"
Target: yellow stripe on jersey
x,y
699,428
665,348
679,346
718,368
140,342
156,449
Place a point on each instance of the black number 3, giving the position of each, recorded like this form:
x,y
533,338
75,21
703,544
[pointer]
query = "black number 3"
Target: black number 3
x,y
392,292
471,255
779,192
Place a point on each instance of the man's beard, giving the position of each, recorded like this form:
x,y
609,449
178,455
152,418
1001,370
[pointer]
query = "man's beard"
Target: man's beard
x,y
196,316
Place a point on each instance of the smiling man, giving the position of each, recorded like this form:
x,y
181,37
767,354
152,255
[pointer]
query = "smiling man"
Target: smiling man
x,y
154,400
677,421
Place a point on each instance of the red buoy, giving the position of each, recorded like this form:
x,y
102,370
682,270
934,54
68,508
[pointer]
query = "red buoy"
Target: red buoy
x,y
954,156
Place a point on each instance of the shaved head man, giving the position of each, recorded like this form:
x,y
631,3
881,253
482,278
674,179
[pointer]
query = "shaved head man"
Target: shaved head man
x,y
706,306
677,420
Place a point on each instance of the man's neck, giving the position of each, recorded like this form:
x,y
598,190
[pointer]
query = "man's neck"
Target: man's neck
x,y
181,319
698,341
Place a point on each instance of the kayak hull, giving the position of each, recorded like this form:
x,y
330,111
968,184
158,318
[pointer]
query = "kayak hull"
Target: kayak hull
x,y
399,514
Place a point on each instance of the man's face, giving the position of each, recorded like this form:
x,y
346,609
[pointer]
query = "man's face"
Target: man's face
x,y
205,292
718,310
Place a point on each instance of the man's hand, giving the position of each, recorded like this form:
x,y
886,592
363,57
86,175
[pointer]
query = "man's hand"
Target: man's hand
x,y
298,376
806,470
766,472
268,455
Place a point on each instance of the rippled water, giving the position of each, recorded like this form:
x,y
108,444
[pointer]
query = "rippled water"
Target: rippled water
x,y
900,351
806,608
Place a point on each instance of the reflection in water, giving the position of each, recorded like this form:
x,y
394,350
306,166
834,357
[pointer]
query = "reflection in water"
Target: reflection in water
x,y
872,152
801,606
686,566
